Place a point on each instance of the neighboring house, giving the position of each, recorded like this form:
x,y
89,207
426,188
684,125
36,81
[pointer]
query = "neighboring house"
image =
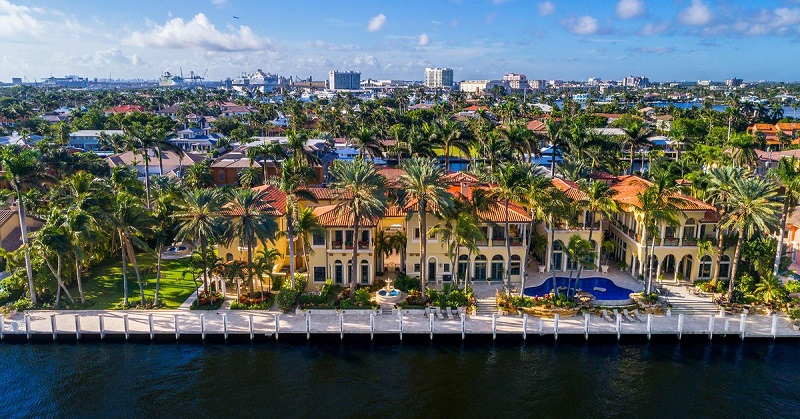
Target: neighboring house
x,y
197,140
89,139
768,160
675,252
10,231
664,123
20,140
791,242
226,169
172,162
772,132
124,109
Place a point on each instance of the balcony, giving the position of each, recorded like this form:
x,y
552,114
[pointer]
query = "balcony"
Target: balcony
x,y
690,241
481,242
363,244
336,245
671,241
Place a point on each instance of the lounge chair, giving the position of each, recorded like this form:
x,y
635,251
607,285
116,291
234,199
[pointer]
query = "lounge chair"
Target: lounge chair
x,y
606,317
618,314
636,315
627,315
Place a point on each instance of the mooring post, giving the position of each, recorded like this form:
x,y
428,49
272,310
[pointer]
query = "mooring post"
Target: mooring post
x,y
177,327
125,325
53,327
150,325
430,322
400,319
250,325
680,325
555,326
710,327
463,326
774,325
586,325
494,326
742,324
102,322
371,326
619,326
649,325
541,327
203,326
28,326
2,327
341,326
225,325
308,326
525,326
725,329
77,327
277,325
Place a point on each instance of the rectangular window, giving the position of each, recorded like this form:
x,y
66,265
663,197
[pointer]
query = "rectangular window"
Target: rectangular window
x,y
446,267
416,233
319,274
416,267
318,239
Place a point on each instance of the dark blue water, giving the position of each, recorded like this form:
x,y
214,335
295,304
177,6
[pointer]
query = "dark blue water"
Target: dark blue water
x,y
687,380
601,288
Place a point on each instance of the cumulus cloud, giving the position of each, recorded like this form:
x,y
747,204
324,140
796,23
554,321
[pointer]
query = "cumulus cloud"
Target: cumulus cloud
x,y
781,21
198,33
376,23
697,14
546,8
653,29
367,61
582,25
16,19
627,9
423,39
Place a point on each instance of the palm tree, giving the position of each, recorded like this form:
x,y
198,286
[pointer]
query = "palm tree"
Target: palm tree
x,y
199,219
744,148
459,228
266,151
144,138
250,220
580,253
265,261
787,173
556,134
753,206
129,220
292,181
423,185
199,175
636,134
600,201
719,190
360,194
306,225
454,135
53,240
366,141
512,184
23,170
659,204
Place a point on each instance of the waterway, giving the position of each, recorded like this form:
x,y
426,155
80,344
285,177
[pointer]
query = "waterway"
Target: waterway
x,y
542,379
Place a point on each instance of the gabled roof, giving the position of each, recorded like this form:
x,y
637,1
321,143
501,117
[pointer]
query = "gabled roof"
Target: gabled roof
x,y
392,175
6,215
570,188
275,197
536,125
629,187
460,177
125,109
331,216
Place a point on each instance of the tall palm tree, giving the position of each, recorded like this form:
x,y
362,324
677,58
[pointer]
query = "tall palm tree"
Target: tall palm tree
x,y
599,201
144,138
555,133
266,151
658,206
636,134
366,141
423,185
579,251
129,220
787,173
250,221
23,170
292,182
753,206
719,190
306,225
53,241
454,135
265,261
361,199
199,219
512,182
459,228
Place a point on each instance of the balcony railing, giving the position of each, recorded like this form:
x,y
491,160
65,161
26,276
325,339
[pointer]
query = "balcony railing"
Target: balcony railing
x,y
671,241
336,245
690,241
501,241
481,242
363,245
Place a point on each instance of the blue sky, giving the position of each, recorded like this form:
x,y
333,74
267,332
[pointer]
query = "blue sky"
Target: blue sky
x,y
479,39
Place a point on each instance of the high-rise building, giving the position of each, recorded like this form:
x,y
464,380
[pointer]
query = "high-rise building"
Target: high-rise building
x,y
344,80
516,81
734,82
438,77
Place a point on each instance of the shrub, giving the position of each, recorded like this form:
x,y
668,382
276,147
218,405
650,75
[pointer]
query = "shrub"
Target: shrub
x,y
406,283
277,283
650,298
794,313
287,299
793,286
746,283
23,304
457,298
363,297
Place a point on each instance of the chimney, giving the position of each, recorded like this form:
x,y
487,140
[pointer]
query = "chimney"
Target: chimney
x,y
464,189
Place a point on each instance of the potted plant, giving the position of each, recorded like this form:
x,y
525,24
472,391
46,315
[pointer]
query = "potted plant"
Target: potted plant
x,y
348,244
607,248
623,265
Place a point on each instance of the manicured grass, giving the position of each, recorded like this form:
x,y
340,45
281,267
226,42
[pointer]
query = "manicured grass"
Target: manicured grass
x,y
103,284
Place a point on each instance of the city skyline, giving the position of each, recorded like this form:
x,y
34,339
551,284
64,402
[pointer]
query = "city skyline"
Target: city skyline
x,y
675,40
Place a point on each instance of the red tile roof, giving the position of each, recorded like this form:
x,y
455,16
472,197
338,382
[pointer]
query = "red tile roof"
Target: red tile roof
x,y
570,188
125,109
331,216
536,125
629,187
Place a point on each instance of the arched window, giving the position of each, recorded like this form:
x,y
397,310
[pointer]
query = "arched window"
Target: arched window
x,y
229,257
463,266
497,268
515,265
364,272
558,256
480,268
338,272
724,266
705,268
689,229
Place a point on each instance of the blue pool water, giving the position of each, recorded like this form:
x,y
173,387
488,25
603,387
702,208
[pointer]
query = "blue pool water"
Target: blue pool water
x,y
593,285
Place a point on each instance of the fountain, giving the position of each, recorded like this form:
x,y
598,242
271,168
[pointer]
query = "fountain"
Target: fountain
x,y
389,294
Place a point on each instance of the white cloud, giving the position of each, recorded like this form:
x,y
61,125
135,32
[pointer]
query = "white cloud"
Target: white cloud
x,y
198,33
627,9
16,20
653,29
546,8
423,39
697,14
582,25
376,23
219,3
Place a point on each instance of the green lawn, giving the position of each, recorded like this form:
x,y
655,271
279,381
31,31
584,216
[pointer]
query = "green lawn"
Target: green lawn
x,y
103,284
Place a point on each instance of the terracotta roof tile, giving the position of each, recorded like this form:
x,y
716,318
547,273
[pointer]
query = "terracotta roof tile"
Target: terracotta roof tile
x,y
331,216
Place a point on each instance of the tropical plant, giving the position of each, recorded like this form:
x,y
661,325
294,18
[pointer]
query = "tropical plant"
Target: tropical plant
x,y
719,190
512,182
787,174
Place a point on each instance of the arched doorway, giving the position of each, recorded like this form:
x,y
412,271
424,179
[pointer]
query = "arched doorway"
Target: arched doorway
x,y
497,268
463,266
668,265
480,268
338,272
558,255
364,272
685,268
725,267
705,268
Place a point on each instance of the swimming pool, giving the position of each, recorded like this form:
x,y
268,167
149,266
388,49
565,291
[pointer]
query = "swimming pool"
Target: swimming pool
x,y
605,291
